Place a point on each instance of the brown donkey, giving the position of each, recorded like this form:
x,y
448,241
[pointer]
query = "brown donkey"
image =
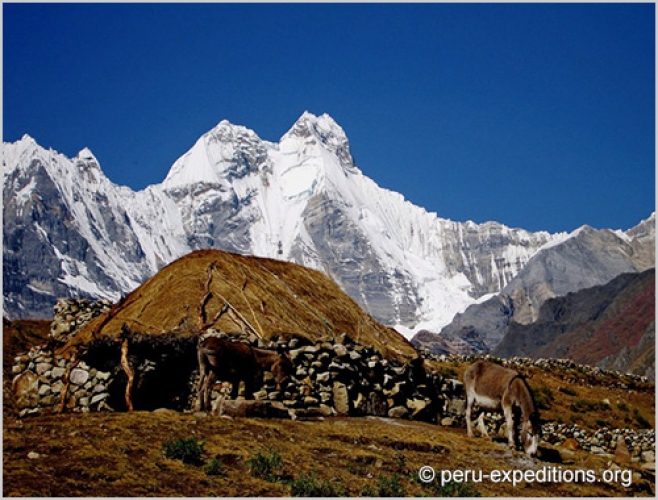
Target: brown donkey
x,y
494,387
221,359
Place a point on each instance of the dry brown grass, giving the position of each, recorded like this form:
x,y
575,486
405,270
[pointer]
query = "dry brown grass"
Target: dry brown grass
x,y
121,455
274,297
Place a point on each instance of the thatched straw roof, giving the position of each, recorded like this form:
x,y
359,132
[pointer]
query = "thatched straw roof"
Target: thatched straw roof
x,y
261,296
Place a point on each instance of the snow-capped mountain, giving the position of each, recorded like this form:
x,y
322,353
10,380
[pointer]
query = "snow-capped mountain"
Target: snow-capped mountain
x,y
68,230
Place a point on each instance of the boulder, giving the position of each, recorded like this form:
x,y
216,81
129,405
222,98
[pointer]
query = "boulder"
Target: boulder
x,y
252,409
398,412
26,389
622,455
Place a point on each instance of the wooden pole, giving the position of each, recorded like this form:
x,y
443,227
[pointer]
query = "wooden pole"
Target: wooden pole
x,y
129,372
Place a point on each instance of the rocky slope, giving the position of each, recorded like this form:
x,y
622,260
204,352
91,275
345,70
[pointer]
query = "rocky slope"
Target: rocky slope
x,y
612,326
586,258
70,231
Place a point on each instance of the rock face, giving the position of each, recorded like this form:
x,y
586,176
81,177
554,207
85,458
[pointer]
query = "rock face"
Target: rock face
x,y
70,232
586,258
612,325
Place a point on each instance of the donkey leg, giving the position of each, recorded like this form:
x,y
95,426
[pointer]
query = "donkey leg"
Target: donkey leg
x,y
481,427
249,385
211,378
198,406
235,388
469,424
509,420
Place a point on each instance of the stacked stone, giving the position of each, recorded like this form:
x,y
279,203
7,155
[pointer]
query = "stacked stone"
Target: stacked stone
x,y
641,444
40,380
602,441
71,314
544,363
342,377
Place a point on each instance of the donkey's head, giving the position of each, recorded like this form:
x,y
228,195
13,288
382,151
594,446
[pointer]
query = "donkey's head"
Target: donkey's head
x,y
282,368
530,434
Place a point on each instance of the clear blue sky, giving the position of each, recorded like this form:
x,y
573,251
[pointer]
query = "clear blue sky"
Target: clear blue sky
x,y
537,116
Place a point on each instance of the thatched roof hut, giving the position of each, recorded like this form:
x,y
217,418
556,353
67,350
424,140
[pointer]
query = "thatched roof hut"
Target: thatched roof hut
x,y
148,339
241,294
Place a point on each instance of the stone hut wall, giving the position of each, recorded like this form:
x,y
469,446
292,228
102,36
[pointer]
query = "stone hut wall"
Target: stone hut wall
x,y
333,377
41,380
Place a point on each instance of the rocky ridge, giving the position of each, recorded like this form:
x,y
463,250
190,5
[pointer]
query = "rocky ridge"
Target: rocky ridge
x,y
585,259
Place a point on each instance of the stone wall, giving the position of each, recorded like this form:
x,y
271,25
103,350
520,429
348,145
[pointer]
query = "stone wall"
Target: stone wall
x,y
41,379
611,378
341,377
71,314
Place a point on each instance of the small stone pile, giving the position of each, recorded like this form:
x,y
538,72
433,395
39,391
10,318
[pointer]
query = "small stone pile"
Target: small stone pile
x,y
342,377
71,314
41,380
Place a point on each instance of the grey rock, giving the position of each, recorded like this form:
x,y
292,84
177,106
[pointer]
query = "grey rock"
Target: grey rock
x,y
252,408
43,368
99,388
98,398
398,412
260,395
341,399
78,376
340,350
57,387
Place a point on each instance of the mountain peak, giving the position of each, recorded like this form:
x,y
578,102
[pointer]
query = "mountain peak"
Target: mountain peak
x,y
310,129
324,127
27,138
225,152
85,154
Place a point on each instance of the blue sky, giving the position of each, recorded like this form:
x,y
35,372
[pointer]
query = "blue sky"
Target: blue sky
x,y
540,116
